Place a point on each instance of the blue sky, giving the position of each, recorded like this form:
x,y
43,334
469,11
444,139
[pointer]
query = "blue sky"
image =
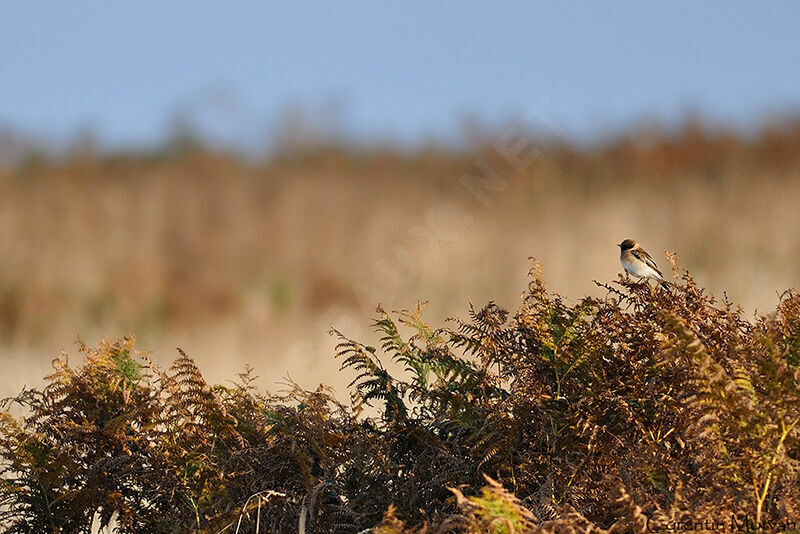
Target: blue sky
x,y
406,71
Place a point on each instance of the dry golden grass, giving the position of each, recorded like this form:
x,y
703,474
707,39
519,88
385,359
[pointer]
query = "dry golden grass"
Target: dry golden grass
x,y
231,260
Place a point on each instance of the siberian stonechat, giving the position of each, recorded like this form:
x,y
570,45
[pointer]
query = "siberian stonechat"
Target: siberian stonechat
x,y
639,263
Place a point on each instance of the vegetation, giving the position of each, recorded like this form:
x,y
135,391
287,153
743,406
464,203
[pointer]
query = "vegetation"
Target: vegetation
x,y
642,405
186,239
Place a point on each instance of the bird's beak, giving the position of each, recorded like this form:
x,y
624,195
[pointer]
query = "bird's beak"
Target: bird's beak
x,y
620,245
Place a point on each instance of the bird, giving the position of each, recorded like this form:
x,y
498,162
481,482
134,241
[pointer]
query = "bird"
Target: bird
x,y
639,263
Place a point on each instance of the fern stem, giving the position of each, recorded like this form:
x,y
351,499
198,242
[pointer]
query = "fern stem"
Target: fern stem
x,y
762,495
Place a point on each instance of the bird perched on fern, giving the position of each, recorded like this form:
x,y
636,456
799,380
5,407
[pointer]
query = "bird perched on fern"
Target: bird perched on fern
x,y
639,263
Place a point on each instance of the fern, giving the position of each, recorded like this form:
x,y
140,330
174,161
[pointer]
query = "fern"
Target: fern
x,y
583,417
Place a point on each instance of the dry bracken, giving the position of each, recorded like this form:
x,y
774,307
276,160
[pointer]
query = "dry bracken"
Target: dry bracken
x,y
645,405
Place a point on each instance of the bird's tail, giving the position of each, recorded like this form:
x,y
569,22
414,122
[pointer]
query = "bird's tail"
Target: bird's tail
x,y
664,284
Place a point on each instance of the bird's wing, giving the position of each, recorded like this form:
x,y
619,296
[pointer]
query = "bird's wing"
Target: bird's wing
x,y
645,257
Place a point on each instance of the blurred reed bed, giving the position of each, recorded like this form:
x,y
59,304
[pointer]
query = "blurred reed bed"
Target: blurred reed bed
x,y
232,259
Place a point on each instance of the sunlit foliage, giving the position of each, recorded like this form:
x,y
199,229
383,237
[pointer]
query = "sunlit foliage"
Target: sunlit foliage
x,y
598,415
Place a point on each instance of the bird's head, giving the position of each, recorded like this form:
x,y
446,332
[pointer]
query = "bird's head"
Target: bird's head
x,y
627,244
